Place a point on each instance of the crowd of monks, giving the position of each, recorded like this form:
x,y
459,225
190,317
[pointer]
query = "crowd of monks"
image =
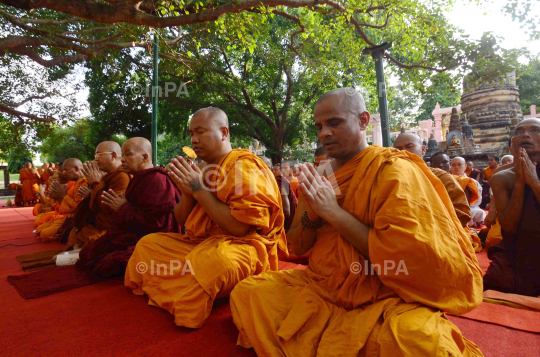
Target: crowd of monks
x,y
194,232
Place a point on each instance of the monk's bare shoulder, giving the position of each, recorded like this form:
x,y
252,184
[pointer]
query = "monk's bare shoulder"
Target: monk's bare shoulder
x,y
504,179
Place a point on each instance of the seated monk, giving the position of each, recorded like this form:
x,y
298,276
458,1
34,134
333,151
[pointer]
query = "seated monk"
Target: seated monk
x,y
29,177
18,188
147,208
103,174
365,216
413,143
471,171
321,157
69,198
472,189
441,161
49,208
485,179
515,267
44,173
234,222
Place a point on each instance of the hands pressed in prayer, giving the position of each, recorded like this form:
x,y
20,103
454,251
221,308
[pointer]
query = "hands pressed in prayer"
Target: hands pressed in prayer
x,y
92,172
318,192
187,176
57,190
113,200
529,169
84,191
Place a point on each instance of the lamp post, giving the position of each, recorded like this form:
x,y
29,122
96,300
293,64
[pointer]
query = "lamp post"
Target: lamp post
x,y
377,53
155,93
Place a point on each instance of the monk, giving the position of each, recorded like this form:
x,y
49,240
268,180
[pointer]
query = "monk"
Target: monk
x,y
515,267
287,171
103,174
471,171
367,214
231,209
49,207
413,143
472,189
485,179
29,177
288,198
18,188
67,196
147,207
321,157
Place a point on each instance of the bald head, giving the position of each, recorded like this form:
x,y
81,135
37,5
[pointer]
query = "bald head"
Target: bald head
x,y
209,131
458,166
266,160
341,120
28,165
136,155
410,142
441,161
527,137
347,98
71,169
109,146
214,116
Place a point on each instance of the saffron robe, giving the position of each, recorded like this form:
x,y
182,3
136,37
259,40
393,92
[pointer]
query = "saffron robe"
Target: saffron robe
x,y
29,183
151,196
338,308
215,260
474,174
515,267
18,194
456,194
101,216
47,231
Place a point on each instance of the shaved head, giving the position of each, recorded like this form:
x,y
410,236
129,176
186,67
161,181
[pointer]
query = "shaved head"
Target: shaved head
x,y
139,144
266,160
410,142
214,116
347,98
136,155
71,169
209,131
441,161
341,120
109,146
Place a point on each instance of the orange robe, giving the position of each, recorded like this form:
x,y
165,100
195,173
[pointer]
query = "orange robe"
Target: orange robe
x,y
467,182
18,194
494,235
338,307
29,183
456,194
217,261
489,173
103,215
47,231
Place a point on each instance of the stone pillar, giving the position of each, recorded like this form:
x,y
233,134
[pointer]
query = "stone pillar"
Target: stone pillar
x,y
6,178
376,131
533,111
438,120
426,125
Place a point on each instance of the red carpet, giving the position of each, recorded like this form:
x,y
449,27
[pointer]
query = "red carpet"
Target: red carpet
x,y
107,319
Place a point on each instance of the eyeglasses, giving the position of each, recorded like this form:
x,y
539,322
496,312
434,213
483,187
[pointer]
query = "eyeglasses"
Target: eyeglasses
x,y
96,155
532,132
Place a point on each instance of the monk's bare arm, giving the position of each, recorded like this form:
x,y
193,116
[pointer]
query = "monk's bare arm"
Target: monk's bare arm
x,y
482,179
183,209
220,212
508,200
286,204
300,238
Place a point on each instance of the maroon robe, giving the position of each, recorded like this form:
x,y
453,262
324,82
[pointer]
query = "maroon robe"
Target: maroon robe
x,y
151,196
515,266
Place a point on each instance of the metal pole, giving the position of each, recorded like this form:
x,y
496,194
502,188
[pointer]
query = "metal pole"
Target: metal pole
x,y
155,93
377,53
383,103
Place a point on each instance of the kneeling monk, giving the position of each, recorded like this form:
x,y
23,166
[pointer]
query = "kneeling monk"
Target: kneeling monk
x,y
146,208
233,216
388,257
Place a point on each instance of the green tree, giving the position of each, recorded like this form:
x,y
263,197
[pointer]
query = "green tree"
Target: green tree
x,y
528,80
64,143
